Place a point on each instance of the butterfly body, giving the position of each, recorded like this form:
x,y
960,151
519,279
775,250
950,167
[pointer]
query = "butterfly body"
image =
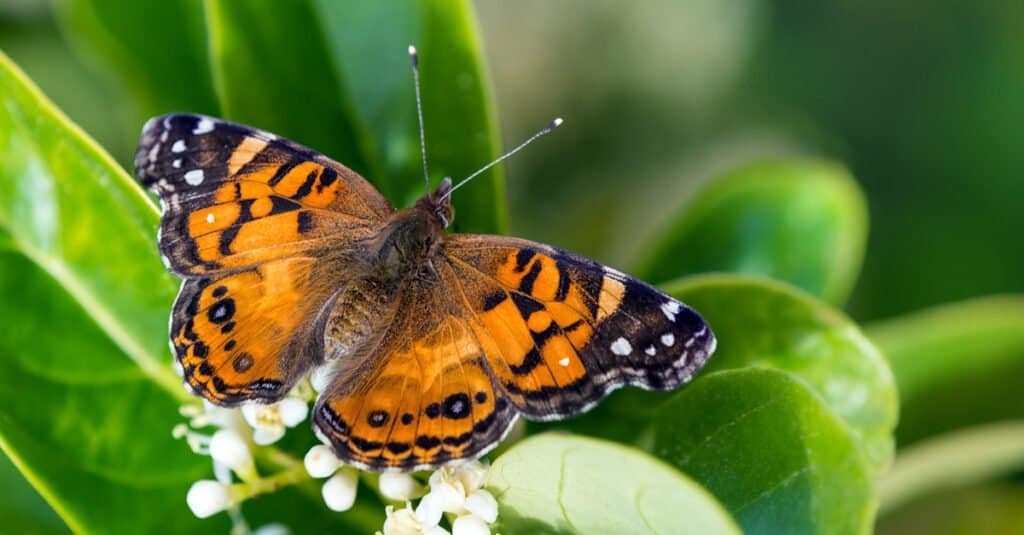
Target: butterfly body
x,y
434,342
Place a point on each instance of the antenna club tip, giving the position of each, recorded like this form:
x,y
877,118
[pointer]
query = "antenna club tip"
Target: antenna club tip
x,y
557,122
414,56
412,50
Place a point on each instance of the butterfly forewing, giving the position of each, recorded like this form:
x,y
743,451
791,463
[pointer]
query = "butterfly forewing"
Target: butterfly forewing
x,y
563,331
235,196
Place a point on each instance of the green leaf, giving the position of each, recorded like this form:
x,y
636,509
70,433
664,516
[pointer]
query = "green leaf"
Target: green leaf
x,y
254,47
74,213
954,460
458,109
88,429
23,510
956,365
778,458
565,484
800,221
761,323
156,49
89,418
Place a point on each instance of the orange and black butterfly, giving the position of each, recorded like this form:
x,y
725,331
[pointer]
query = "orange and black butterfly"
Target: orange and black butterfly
x,y
437,341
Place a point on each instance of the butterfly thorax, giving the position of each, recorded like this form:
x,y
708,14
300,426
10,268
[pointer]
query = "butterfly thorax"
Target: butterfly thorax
x,y
399,257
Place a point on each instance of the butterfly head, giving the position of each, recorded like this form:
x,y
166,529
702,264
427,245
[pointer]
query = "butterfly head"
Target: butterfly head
x,y
438,203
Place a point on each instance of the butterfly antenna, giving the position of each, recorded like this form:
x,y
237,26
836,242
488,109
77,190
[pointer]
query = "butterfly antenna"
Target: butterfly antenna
x,y
415,58
547,129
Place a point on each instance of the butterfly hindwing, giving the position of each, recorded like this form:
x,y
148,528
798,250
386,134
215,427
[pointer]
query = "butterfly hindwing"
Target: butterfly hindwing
x,y
251,334
425,397
561,331
235,196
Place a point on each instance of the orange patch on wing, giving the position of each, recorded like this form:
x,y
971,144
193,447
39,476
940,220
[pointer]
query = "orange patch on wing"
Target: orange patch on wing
x,y
244,153
612,292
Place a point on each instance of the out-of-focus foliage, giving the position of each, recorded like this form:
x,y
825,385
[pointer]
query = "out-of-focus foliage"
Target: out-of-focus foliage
x,y
700,136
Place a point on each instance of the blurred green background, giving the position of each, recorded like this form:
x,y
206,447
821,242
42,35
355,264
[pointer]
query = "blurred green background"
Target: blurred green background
x,y
923,101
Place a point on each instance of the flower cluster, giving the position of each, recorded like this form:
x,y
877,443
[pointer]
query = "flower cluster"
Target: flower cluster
x,y
236,433
454,495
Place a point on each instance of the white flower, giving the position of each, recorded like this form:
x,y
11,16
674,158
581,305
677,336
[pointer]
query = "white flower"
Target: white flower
x,y
471,475
320,461
399,486
229,448
269,421
482,504
339,491
207,497
405,522
429,510
470,525
450,496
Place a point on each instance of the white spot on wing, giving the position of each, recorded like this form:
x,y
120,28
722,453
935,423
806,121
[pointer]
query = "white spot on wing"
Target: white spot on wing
x,y
154,152
668,339
564,361
179,146
209,217
650,350
670,308
194,177
205,125
176,163
621,347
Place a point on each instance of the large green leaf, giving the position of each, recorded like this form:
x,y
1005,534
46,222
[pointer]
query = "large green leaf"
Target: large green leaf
x,y
23,510
84,424
93,397
762,323
272,68
368,41
565,484
778,458
82,220
803,222
156,49
956,365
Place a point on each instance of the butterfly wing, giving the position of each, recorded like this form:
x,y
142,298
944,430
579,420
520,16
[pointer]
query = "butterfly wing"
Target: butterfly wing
x,y
500,327
561,331
234,196
424,396
261,228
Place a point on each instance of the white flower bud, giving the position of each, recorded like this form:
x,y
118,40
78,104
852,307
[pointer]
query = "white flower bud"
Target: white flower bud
x,y
206,498
451,498
340,491
320,461
398,486
429,510
293,411
470,525
482,504
229,448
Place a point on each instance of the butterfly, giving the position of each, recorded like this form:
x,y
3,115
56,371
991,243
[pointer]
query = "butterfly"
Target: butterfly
x,y
436,342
